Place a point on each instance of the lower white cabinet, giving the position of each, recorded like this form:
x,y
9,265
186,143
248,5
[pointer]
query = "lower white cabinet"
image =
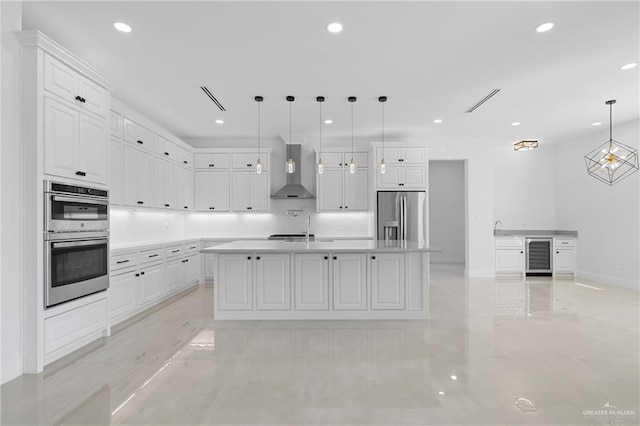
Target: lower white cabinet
x,y
387,281
564,261
122,294
349,281
71,326
175,274
235,286
192,273
151,283
510,261
273,283
311,281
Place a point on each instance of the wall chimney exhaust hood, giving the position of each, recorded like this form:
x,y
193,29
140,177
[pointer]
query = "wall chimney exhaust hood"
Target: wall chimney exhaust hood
x,y
294,189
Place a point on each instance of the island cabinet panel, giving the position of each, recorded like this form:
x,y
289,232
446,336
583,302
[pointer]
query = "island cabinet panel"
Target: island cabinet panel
x,y
235,291
349,281
273,283
311,281
387,281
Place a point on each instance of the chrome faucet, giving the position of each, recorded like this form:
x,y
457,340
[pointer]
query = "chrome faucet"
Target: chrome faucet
x,y
495,225
308,226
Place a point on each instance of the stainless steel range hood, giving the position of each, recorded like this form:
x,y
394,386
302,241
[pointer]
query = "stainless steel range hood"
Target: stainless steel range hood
x,y
293,188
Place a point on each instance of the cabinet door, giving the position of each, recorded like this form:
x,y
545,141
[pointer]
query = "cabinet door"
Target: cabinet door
x,y
115,125
116,172
138,169
243,160
130,131
391,179
92,148
203,191
311,281
60,139
240,191
564,261
414,177
144,178
122,294
202,161
164,183
356,190
273,284
96,97
60,79
184,191
387,281
192,274
235,282
414,156
332,160
220,191
330,187
259,192
151,282
510,261
349,282
176,270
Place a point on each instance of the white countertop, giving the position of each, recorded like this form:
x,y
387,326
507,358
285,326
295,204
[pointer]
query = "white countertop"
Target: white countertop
x,y
342,246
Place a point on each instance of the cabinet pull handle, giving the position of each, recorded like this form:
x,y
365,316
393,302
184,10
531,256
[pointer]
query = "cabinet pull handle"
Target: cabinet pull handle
x,y
81,99
140,142
521,252
79,173
122,261
373,257
248,257
153,255
212,165
141,273
140,202
167,205
174,251
166,153
335,258
258,257
137,275
186,207
340,164
185,162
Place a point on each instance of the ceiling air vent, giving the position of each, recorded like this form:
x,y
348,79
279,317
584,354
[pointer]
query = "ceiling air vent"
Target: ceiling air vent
x,y
213,98
483,100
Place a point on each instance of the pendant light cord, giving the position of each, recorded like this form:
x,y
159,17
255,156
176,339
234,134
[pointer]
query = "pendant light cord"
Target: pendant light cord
x,y
610,122
320,130
289,146
258,130
382,130
352,131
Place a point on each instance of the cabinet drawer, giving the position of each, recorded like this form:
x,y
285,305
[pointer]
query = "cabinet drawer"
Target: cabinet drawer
x,y
564,242
173,251
68,327
509,242
191,248
123,261
147,256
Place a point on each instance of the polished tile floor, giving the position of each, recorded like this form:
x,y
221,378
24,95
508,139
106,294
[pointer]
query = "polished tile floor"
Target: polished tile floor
x,y
507,351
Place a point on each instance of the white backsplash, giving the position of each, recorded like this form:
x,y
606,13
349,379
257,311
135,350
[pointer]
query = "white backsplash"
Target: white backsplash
x,y
128,226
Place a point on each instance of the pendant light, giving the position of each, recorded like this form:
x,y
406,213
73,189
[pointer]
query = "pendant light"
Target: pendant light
x,y
612,161
352,164
383,167
259,100
320,100
290,166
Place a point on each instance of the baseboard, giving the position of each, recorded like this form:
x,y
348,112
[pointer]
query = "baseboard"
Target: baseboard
x,y
604,279
479,274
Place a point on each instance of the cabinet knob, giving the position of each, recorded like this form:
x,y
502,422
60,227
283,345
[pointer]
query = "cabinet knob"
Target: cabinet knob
x,y
335,257
326,257
186,207
258,257
373,257
340,206
141,273
248,257
185,162
557,252
137,275
521,252
346,207
167,205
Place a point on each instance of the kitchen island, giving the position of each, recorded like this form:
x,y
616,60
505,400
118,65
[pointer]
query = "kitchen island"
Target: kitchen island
x,y
341,279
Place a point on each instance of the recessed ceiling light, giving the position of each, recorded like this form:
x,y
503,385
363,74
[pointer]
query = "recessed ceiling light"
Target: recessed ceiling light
x,y
219,121
515,123
328,121
454,377
334,27
440,393
438,120
629,66
122,27
597,123
543,28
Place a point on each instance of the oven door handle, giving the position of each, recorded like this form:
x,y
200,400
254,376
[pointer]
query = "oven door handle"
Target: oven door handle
x,y
94,242
80,200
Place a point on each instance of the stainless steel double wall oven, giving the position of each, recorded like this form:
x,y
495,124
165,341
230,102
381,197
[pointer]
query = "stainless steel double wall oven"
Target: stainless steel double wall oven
x,y
76,241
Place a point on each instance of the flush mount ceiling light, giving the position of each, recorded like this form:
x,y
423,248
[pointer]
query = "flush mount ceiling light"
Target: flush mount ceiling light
x,y
334,27
383,167
219,121
122,27
352,164
612,161
320,100
290,165
629,66
525,145
259,100
543,28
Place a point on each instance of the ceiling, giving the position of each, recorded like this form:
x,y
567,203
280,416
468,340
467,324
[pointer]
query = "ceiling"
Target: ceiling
x,y
431,59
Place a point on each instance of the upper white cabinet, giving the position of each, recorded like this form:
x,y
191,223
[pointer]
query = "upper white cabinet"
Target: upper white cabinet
x,y
165,184
212,160
247,160
398,177
165,148
116,172
407,168
138,177
75,88
338,189
185,189
138,135
402,156
249,191
212,191
184,157
116,122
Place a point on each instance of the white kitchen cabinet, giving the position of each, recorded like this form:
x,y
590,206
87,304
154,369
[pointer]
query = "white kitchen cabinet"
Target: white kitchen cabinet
x,y
212,191
116,172
340,159
356,190
330,196
247,160
138,177
402,156
185,158
192,273
164,148
76,143
175,275
387,281
509,261
185,189
209,261
122,295
218,160
273,283
151,283
400,177
339,190
349,281
137,135
115,124
235,282
249,191
311,281
564,256
165,183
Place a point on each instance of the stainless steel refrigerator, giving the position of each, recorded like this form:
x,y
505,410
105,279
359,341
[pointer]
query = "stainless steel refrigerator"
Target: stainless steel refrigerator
x,y
402,216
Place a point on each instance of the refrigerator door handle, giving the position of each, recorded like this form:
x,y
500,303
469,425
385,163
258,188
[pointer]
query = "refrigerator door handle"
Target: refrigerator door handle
x,y
404,218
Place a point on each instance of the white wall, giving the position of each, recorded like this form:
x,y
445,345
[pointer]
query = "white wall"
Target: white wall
x,y
605,217
11,181
447,210
524,188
